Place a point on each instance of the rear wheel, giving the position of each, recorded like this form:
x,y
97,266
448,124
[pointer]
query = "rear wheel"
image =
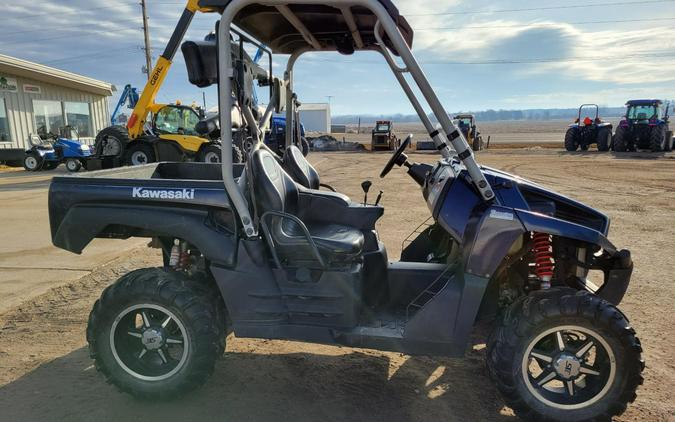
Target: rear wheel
x,y
111,142
657,139
32,161
565,356
73,165
139,153
604,138
155,333
620,140
572,139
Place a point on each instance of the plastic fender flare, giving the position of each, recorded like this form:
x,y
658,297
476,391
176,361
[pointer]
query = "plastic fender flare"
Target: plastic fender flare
x,y
83,223
488,240
534,222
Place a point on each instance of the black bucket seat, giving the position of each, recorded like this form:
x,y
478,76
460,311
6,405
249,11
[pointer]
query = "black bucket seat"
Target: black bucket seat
x,y
297,166
277,196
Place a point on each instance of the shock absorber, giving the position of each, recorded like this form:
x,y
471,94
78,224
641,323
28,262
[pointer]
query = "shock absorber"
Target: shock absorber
x,y
543,258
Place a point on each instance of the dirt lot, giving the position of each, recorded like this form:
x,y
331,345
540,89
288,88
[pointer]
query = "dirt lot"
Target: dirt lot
x,y
46,375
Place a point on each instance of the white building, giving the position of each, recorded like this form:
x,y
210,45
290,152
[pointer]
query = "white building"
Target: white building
x,y
38,99
315,117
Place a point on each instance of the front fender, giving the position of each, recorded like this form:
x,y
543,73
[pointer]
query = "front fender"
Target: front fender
x,y
535,222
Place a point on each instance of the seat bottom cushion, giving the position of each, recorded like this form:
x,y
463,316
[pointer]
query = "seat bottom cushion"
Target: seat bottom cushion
x,y
335,242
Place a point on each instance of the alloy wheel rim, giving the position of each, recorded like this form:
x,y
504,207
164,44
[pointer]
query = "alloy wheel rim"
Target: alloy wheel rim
x,y
71,165
149,342
568,367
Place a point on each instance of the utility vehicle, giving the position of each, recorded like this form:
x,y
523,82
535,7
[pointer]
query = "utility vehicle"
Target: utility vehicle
x,y
383,136
467,124
256,249
585,132
49,150
645,126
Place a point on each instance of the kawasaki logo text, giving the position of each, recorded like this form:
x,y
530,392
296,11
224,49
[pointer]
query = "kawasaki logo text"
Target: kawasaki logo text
x,y
163,193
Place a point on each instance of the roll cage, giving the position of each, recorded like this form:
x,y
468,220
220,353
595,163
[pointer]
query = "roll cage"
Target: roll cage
x,y
297,27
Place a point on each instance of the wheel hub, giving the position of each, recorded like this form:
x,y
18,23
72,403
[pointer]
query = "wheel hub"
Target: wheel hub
x,y
152,339
567,366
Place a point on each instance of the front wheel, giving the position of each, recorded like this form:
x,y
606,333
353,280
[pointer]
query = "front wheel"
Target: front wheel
x,y
155,333
565,356
139,153
73,165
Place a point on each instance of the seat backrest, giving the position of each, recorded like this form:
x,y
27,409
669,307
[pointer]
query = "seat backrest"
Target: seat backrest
x,y
300,169
273,189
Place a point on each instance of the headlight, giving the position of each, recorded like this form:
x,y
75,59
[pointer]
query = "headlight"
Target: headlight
x,y
84,147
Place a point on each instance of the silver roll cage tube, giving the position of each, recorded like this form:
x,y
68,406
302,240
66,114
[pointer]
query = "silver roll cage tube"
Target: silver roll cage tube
x,y
450,132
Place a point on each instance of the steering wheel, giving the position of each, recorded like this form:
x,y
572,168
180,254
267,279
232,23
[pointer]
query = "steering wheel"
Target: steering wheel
x,y
398,158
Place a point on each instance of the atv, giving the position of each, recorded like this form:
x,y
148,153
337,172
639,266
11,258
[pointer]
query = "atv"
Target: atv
x,y
645,126
584,133
256,249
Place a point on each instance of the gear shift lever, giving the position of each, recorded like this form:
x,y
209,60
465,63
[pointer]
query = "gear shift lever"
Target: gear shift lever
x,y
365,185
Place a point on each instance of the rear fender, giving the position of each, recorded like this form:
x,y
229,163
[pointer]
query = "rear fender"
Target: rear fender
x,y
83,223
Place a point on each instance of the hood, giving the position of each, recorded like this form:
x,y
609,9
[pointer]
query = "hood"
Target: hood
x,y
520,193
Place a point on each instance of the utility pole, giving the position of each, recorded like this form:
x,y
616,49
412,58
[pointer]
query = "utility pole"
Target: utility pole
x,y
146,34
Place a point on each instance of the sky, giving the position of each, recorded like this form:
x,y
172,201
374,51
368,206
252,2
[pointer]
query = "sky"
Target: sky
x,y
478,55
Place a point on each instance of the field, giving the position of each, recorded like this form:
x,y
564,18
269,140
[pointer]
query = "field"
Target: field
x,y
504,134
45,372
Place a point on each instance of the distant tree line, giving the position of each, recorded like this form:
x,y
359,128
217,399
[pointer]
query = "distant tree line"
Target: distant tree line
x,y
489,115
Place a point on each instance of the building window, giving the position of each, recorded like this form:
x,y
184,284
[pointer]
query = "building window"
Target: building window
x,y
4,122
48,117
77,116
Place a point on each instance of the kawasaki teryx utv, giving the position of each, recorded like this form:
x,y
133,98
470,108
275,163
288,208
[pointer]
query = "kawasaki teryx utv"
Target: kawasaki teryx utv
x,y
256,249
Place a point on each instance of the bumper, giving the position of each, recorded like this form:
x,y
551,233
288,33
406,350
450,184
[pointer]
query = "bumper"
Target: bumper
x,y
617,277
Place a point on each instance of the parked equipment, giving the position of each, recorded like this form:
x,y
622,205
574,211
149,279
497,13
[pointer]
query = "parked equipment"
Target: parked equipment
x,y
129,97
645,126
467,124
49,150
252,250
383,136
275,137
586,132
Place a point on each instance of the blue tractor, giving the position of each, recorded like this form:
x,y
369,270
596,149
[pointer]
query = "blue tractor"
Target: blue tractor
x,y
645,126
275,138
48,151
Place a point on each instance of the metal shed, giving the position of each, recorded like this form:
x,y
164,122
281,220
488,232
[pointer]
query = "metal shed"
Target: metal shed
x,y
38,99
315,117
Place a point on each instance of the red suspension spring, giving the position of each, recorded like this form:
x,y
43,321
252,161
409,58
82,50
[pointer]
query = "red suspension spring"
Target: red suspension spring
x,y
543,256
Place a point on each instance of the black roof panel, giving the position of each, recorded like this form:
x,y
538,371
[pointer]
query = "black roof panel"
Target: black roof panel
x,y
326,23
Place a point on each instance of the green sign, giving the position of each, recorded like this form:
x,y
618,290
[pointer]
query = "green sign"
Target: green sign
x,y
8,84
